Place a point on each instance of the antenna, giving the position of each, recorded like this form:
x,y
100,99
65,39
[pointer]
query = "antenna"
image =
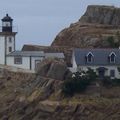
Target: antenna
x,y
6,12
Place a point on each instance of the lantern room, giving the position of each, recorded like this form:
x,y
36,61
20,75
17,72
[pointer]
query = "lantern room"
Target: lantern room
x,y
7,24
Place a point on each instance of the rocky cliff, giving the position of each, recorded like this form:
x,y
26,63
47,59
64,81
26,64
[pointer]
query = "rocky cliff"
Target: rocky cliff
x,y
93,29
107,15
26,96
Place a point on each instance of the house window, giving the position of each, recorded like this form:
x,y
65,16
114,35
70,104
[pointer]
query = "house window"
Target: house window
x,y
10,49
112,57
10,39
89,57
18,60
112,73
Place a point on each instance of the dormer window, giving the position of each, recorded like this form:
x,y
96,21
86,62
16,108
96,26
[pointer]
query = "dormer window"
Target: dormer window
x,y
112,57
89,57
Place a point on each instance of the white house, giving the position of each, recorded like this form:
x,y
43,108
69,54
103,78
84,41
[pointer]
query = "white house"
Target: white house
x,y
21,59
105,62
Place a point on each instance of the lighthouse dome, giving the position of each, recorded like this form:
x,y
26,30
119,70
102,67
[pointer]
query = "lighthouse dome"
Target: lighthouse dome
x,y
7,18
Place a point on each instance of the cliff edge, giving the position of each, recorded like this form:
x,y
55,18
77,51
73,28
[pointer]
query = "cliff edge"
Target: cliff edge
x,y
93,29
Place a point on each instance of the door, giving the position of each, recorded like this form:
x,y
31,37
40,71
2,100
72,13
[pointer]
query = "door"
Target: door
x,y
101,73
37,62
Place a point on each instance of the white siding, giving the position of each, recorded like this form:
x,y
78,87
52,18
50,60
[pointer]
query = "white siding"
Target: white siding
x,y
2,50
10,44
74,65
33,59
107,72
25,62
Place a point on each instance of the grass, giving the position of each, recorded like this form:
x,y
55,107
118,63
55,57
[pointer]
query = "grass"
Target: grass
x,y
90,100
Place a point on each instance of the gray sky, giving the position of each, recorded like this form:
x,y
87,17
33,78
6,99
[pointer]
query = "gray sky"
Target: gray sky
x,y
39,21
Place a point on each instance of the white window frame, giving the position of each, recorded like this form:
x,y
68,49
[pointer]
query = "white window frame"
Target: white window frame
x,y
90,53
17,61
112,53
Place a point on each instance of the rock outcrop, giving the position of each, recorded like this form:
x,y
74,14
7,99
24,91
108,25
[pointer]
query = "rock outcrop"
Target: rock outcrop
x,y
53,68
26,96
108,15
92,30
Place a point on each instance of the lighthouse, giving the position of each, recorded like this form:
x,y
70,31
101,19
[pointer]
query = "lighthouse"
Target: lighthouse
x,y
7,38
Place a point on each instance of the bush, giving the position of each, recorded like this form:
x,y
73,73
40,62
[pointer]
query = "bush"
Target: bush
x,y
91,74
108,82
68,87
78,83
112,42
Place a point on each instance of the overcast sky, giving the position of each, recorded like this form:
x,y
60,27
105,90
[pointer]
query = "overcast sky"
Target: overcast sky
x,y
39,21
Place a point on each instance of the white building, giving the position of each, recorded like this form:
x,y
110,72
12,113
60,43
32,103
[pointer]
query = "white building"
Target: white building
x,y
7,39
21,59
25,59
105,62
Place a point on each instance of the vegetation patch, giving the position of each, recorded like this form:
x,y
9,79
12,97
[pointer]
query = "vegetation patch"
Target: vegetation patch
x,y
108,82
79,82
112,42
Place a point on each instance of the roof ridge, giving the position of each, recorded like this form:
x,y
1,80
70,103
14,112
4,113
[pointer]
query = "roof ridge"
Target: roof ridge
x,y
96,49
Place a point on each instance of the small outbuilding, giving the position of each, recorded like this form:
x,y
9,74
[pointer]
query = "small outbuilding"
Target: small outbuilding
x,y
25,59
29,59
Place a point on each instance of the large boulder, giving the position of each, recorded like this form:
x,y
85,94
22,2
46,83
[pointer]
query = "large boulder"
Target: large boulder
x,y
57,70
53,68
43,67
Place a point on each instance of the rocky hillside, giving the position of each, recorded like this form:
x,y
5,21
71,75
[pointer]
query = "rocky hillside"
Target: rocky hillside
x,y
92,30
27,96
95,27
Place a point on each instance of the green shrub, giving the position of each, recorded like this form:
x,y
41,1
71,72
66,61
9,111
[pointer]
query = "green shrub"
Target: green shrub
x,y
91,74
68,87
112,42
78,83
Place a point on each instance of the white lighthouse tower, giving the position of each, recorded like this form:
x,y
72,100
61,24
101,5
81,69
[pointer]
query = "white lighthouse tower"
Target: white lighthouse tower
x,y
7,38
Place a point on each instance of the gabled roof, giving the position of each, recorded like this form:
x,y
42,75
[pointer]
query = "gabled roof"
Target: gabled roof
x,y
27,53
100,56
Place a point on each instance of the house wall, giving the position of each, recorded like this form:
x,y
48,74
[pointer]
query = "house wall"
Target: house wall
x,y
107,72
25,62
2,50
33,61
